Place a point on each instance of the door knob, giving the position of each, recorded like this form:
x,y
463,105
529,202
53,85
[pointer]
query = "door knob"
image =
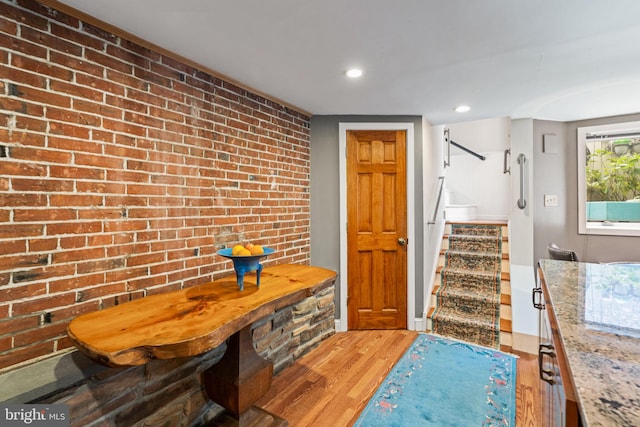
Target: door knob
x,y
402,241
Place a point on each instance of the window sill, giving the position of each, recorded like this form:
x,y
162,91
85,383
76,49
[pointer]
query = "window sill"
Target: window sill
x,y
611,229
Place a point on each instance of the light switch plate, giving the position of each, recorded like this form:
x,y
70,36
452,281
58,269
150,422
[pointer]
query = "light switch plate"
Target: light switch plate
x,y
550,200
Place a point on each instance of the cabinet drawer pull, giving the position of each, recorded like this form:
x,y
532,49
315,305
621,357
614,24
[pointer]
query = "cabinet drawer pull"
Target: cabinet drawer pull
x,y
545,350
537,303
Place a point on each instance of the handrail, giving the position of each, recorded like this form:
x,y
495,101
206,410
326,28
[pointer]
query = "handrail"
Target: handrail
x,y
447,161
507,152
435,211
463,148
522,203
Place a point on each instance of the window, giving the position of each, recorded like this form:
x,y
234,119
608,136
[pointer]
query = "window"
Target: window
x,y
609,179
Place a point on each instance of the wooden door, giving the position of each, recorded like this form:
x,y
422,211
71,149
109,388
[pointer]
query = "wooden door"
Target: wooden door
x,y
376,229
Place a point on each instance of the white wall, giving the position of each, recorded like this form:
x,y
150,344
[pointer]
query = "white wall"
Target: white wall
x,y
476,182
433,165
524,316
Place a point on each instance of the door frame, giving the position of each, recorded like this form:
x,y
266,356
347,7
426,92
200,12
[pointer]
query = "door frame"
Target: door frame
x,y
341,323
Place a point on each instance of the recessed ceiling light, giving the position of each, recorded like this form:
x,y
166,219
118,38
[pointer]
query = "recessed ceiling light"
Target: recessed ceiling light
x,y
462,108
354,73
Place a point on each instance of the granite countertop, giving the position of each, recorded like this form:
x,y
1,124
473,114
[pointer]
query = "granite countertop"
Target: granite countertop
x,y
598,311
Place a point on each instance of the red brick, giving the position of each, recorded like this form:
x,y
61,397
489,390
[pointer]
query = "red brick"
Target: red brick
x,y
71,116
100,265
73,242
99,239
41,67
10,168
104,213
140,50
43,245
74,228
150,282
125,274
75,200
21,106
108,61
23,46
19,230
99,161
6,343
7,26
98,109
96,82
42,333
68,313
125,79
41,185
147,98
77,255
76,90
33,215
45,303
75,172
43,96
124,127
47,12
11,247
40,155
13,293
27,353
73,35
100,187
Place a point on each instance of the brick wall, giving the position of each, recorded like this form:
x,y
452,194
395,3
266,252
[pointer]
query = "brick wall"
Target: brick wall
x,y
122,171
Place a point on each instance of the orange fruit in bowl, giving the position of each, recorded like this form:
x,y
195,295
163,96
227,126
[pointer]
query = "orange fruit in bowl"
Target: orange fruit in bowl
x,y
244,252
236,249
256,250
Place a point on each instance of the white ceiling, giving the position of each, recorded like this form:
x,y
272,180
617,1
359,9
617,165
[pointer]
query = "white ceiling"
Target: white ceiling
x,y
546,59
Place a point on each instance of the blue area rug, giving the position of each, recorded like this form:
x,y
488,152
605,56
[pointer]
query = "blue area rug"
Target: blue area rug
x,y
442,382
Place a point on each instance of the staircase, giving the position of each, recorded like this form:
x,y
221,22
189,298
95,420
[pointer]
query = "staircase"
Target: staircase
x,y
461,305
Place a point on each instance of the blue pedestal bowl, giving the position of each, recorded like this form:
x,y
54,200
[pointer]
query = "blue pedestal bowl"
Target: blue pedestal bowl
x,y
245,264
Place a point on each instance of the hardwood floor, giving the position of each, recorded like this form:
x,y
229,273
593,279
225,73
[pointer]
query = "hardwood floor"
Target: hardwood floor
x,y
331,385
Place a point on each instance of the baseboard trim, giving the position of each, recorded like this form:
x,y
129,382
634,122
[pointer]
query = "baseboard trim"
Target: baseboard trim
x,y
525,343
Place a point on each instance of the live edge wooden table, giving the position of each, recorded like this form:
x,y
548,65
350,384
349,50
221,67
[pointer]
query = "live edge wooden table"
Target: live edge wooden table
x,y
192,321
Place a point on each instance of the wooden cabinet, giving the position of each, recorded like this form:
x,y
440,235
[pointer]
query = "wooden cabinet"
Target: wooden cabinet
x,y
559,403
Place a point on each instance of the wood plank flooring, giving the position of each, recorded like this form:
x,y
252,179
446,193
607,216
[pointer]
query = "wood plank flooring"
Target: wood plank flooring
x,y
332,384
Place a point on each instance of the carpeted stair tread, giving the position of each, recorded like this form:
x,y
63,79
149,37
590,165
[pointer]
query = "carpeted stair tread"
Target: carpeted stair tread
x,y
458,297
474,243
445,314
463,273
472,230
468,328
473,261
471,308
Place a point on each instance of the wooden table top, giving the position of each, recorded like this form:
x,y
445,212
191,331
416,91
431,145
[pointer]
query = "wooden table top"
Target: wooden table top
x,y
193,320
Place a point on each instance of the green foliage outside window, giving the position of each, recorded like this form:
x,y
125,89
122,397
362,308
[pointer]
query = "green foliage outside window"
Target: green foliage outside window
x,y
613,177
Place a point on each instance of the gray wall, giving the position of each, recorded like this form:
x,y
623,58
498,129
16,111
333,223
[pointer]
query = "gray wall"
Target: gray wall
x,y
325,202
557,174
